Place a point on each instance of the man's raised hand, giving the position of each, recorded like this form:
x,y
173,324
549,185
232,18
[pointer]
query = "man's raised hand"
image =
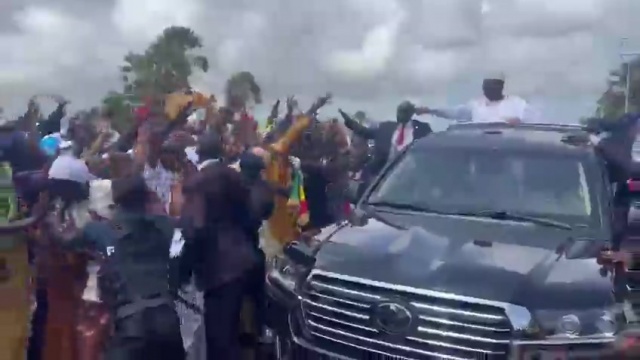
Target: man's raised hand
x,y
344,115
322,101
292,104
275,110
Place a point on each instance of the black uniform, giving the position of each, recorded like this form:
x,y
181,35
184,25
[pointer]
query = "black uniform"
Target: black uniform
x,y
133,281
615,148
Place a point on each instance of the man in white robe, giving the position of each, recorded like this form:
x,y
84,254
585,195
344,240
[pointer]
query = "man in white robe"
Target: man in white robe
x,y
69,177
494,106
67,166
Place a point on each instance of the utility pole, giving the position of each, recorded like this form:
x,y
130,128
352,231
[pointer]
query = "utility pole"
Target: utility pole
x,y
627,58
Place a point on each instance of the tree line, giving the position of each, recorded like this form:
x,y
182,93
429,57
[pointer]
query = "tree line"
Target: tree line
x,y
166,66
611,104
168,62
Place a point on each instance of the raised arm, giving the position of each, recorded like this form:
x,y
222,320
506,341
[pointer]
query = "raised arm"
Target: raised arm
x,y
530,114
356,127
53,122
460,113
275,110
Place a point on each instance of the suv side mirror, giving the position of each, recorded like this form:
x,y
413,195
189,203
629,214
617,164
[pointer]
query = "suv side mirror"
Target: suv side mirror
x,y
300,254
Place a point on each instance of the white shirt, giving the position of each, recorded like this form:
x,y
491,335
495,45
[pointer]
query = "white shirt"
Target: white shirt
x,y
408,138
192,154
483,110
160,181
68,167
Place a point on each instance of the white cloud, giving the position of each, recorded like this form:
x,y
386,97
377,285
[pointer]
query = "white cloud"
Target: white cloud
x,y
145,19
370,53
372,58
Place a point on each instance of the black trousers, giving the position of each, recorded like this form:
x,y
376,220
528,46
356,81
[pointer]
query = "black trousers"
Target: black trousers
x,y
68,190
257,292
621,205
222,308
38,324
153,333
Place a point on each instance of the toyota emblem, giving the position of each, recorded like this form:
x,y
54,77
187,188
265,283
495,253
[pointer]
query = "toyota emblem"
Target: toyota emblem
x,y
392,318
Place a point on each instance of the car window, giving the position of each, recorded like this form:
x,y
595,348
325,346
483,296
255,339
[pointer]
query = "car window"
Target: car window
x,y
464,180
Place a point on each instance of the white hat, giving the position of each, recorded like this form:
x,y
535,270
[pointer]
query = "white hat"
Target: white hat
x,y
495,75
64,145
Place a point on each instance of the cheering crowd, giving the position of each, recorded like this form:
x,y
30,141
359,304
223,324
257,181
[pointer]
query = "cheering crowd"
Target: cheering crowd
x,y
161,233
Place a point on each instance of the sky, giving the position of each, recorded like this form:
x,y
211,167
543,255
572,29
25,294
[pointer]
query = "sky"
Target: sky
x,y
371,54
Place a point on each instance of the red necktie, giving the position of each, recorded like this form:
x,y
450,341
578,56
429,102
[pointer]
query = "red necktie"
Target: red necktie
x,y
400,138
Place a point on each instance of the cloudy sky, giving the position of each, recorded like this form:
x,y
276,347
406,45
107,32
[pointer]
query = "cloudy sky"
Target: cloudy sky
x,y
370,53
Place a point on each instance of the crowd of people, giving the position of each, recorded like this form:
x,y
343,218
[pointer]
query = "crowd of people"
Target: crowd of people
x,y
181,212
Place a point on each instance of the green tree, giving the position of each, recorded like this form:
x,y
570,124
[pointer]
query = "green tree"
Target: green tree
x,y
241,89
165,66
120,106
611,103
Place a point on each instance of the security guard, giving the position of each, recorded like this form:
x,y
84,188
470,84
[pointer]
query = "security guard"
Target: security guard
x,y
133,279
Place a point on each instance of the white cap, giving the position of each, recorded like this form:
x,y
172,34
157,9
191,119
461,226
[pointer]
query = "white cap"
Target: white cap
x,y
495,75
64,145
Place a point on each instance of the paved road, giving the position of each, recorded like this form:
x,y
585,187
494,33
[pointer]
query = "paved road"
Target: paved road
x,y
191,322
191,325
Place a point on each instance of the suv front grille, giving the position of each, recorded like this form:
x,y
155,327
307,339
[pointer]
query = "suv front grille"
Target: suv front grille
x,y
339,309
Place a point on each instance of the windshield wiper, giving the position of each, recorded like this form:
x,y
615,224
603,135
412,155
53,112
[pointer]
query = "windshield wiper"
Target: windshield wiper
x,y
401,206
488,214
505,215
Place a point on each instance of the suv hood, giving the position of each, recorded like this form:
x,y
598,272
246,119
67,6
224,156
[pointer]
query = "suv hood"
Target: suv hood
x,y
495,260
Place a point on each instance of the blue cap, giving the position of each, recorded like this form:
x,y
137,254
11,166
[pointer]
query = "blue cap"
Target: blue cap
x,y
50,144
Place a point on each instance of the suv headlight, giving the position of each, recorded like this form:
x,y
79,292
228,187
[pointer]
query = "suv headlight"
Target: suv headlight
x,y
565,323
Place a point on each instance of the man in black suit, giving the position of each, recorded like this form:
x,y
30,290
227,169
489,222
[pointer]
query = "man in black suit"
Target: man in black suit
x,y
390,137
217,204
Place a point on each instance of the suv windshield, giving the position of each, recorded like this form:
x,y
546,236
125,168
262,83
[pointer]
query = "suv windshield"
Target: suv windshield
x,y
467,181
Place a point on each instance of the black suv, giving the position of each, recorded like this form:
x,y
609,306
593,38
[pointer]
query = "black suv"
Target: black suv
x,y
479,242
